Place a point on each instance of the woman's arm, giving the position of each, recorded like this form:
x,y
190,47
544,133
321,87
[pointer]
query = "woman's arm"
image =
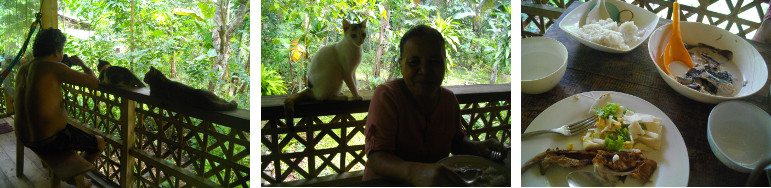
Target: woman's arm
x,y
419,174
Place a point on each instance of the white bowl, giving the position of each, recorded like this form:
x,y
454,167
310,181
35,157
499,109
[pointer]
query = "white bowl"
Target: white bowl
x,y
748,65
544,61
739,134
644,20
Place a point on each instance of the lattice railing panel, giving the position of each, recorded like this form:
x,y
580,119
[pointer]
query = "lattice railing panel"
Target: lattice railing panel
x,y
210,151
318,147
156,146
488,119
741,17
99,112
325,144
539,15
540,23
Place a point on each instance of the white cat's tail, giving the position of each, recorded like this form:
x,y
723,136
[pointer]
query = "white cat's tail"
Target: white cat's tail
x,y
289,102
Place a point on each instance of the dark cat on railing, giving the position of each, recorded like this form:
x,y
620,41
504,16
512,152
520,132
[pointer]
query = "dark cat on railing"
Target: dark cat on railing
x,y
165,89
119,76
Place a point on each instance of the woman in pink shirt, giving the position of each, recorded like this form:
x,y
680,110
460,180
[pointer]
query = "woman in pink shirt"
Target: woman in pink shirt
x,y
413,122
763,34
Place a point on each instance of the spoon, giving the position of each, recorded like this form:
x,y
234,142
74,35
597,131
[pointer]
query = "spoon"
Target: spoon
x,y
586,179
675,50
756,172
470,175
597,13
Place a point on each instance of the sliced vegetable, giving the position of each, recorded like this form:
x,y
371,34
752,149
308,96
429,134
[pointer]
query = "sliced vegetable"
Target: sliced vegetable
x,y
610,109
615,141
613,144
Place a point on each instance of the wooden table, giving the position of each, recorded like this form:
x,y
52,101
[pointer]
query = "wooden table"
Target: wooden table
x,y
635,74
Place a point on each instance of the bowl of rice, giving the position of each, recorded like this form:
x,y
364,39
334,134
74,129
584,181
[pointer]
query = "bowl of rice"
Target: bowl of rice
x,y
634,25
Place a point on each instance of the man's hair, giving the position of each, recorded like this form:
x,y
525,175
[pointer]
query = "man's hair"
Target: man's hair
x,y
422,31
47,42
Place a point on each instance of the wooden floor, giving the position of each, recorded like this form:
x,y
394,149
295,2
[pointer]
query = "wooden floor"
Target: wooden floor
x,y
34,173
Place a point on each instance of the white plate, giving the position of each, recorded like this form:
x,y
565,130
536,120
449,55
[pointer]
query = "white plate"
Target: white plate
x,y
476,162
643,19
672,158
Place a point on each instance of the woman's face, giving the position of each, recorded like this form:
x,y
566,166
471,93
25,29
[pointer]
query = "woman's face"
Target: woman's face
x,y
423,66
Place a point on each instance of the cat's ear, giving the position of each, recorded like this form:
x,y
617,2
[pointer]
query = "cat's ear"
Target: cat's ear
x,y
346,25
364,23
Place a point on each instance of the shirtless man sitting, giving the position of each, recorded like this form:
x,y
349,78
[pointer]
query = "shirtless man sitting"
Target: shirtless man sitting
x,y
41,120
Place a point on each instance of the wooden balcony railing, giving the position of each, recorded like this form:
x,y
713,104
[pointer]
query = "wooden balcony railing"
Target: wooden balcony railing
x,y
327,147
541,14
152,143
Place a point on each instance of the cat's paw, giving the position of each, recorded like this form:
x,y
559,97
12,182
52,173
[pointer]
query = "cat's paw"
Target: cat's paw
x,y
354,98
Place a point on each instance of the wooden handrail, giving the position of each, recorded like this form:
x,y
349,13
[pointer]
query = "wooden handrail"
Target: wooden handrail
x,y
273,106
238,118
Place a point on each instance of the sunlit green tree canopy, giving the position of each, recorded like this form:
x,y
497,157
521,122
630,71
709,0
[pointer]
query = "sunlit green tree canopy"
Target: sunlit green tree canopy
x,y
202,43
477,32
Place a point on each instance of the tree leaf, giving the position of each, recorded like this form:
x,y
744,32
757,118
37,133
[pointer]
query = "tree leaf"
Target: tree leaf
x,y
462,15
185,12
207,9
212,53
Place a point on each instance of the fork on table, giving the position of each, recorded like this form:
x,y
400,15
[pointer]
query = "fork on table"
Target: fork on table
x,y
568,129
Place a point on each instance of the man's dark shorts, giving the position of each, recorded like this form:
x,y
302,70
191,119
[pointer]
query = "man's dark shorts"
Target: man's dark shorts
x,y
70,138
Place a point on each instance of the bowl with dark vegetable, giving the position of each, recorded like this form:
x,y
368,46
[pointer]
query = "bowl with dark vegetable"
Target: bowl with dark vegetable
x,y
725,66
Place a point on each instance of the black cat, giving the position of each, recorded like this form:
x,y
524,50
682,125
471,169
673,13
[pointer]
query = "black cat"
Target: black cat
x,y
119,76
179,93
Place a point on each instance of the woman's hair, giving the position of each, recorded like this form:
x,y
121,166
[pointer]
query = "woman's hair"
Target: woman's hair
x,y
422,31
47,42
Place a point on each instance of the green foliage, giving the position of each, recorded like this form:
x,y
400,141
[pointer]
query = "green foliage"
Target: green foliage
x,y
14,25
147,33
477,33
272,83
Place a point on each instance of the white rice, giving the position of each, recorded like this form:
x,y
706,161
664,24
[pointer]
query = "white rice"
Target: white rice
x,y
608,33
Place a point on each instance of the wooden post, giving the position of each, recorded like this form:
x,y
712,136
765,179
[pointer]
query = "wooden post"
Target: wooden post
x,y
19,156
127,118
50,15
8,103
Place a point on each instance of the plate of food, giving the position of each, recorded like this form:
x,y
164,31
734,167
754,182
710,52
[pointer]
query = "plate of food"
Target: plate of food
x,y
478,171
636,131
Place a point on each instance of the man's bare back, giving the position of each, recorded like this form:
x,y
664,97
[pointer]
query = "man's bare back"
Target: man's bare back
x,y
41,121
40,112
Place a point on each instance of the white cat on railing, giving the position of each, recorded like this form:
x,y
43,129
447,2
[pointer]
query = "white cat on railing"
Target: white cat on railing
x,y
332,65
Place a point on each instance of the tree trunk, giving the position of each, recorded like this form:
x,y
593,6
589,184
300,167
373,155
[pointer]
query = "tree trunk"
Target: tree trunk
x,y
494,75
173,65
131,38
224,29
381,48
246,69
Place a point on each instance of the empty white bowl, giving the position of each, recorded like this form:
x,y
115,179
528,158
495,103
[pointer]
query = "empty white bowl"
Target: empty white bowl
x,y
748,65
544,61
739,134
644,20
